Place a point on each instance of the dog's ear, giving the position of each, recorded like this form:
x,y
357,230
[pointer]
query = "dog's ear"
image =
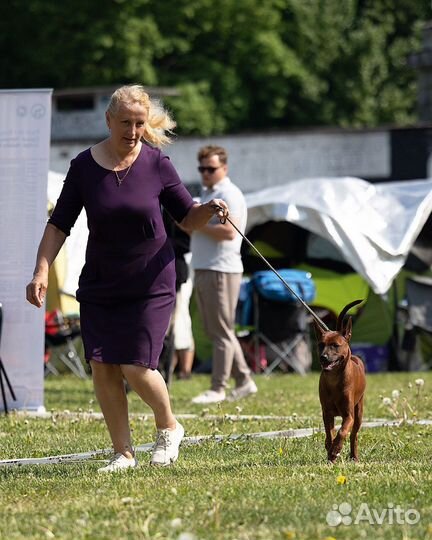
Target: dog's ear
x,y
319,331
347,331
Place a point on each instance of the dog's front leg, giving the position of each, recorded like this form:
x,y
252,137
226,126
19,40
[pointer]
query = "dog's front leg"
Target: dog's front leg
x,y
347,423
329,421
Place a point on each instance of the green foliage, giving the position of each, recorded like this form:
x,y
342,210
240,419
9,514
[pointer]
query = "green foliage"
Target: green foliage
x,y
196,111
240,64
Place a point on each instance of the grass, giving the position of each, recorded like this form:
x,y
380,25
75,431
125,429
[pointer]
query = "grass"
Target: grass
x,y
239,489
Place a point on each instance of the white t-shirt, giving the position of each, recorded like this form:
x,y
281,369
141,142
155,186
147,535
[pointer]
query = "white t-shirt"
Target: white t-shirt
x,y
224,256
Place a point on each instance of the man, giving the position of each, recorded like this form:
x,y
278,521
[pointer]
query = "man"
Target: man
x,y
218,268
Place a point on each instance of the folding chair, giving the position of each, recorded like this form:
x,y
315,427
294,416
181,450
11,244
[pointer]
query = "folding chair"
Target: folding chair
x,y
60,333
283,328
281,321
417,323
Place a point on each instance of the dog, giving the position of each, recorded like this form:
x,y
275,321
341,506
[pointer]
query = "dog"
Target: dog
x,y
341,386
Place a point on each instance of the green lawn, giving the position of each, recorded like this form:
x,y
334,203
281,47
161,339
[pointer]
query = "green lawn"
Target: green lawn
x,y
235,489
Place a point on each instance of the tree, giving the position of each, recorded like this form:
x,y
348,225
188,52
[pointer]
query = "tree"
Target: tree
x,y
240,64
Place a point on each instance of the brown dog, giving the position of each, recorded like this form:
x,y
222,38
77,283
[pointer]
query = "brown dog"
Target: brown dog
x,y
342,385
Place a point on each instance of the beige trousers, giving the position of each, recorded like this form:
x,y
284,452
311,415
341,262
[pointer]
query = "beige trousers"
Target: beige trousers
x,y
217,294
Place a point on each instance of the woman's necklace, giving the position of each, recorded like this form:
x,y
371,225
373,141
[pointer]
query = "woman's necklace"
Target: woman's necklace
x,y
120,180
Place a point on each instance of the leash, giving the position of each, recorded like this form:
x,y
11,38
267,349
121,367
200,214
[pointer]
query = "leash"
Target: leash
x,y
223,220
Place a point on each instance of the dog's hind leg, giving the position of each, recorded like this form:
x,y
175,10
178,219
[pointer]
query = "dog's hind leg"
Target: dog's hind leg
x,y
358,416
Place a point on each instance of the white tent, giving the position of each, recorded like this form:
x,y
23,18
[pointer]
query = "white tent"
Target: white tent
x,y
373,225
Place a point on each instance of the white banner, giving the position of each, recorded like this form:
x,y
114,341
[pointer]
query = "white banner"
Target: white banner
x,y
24,160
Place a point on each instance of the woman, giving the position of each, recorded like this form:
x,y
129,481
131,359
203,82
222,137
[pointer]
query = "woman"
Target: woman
x,y
127,285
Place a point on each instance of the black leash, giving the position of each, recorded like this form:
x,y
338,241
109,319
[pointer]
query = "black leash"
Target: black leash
x,y
223,220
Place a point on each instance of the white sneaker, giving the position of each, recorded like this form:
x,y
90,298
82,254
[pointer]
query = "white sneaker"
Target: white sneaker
x,y
166,447
243,391
209,396
118,463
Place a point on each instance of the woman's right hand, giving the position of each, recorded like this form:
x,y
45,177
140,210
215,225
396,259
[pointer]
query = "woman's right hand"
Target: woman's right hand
x,y
36,290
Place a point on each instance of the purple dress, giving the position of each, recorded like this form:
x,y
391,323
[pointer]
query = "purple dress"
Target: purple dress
x,y
127,285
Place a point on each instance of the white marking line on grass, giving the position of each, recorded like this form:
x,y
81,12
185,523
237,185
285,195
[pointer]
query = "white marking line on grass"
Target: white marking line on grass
x,y
187,441
185,416
86,415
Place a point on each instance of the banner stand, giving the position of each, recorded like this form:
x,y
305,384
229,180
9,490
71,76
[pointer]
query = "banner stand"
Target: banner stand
x,y
24,163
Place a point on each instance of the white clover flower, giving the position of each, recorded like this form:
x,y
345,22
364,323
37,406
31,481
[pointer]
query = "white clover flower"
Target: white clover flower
x,y
176,523
186,536
395,394
386,401
419,382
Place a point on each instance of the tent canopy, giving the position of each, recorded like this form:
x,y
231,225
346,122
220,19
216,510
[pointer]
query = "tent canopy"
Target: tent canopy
x,y
374,226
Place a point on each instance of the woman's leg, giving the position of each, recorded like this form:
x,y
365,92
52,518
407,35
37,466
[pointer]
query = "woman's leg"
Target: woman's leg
x,y
111,395
150,386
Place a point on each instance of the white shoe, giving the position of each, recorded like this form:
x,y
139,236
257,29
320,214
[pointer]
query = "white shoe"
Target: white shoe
x,y
243,391
209,396
118,463
166,447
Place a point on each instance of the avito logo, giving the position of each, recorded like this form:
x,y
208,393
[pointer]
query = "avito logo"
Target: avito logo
x,y
343,514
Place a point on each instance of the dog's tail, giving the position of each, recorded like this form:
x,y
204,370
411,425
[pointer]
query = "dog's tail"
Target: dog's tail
x,y
342,314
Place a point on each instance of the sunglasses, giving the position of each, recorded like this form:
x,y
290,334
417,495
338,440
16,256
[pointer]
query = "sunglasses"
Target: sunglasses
x,y
210,170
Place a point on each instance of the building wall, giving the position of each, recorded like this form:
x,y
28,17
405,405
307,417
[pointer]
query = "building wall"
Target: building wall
x,y
259,161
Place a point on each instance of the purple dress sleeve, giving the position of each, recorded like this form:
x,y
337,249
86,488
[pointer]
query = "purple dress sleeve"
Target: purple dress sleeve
x,y
175,198
69,204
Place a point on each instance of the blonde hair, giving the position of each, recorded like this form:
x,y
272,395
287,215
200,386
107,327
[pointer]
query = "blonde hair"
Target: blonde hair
x,y
158,120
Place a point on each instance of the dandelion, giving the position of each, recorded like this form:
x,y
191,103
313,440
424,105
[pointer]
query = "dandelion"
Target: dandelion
x,y
289,535
419,382
395,395
386,401
280,450
341,480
